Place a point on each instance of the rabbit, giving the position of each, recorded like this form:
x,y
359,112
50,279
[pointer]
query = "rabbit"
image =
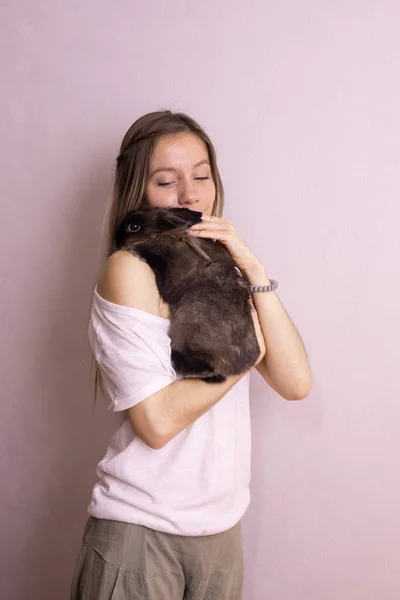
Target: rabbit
x,y
211,327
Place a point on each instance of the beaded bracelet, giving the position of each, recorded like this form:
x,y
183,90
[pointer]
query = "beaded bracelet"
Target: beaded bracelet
x,y
264,288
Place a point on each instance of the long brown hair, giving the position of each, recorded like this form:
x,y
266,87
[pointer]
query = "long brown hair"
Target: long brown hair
x,y
132,171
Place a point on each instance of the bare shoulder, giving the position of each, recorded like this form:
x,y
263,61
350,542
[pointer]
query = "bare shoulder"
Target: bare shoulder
x,y
127,280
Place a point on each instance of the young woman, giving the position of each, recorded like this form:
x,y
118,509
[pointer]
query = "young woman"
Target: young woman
x,y
165,514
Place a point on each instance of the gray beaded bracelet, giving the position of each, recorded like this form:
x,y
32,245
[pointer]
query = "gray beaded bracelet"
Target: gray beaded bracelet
x,y
264,288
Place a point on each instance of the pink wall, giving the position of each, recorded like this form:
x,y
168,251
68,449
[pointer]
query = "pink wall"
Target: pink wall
x,y
301,98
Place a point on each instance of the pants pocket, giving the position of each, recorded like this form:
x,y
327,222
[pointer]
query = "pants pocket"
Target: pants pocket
x,y
94,578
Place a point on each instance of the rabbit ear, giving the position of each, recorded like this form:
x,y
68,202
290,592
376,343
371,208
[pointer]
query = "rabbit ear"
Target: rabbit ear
x,y
189,216
178,217
195,244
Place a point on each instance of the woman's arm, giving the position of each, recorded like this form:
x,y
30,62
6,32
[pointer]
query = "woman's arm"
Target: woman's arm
x,y
129,281
285,366
160,417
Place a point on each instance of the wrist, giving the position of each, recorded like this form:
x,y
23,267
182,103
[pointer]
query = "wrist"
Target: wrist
x,y
257,275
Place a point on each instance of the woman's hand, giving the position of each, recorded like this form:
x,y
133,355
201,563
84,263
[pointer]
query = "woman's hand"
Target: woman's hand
x,y
225,232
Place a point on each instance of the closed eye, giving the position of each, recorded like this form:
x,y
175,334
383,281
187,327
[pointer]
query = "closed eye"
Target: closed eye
x,y
171,182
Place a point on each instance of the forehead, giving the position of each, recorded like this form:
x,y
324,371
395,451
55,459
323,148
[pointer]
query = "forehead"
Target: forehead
x,y
181,149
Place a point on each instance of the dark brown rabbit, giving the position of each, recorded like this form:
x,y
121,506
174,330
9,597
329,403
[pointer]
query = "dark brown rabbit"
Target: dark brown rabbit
x,y
212,331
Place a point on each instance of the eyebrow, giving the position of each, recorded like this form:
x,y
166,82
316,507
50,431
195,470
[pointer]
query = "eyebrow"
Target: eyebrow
x,y
171,169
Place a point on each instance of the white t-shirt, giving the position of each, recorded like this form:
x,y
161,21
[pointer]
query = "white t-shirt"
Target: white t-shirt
x,y
198,483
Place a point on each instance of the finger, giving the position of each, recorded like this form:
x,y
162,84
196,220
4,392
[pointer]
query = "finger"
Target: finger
x,y
211,227
212,218
208,233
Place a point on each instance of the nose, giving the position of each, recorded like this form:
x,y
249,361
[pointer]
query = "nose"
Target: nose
x,y
187,193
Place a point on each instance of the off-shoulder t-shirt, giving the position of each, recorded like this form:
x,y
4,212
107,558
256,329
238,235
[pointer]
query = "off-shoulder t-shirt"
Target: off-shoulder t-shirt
x,y
198,483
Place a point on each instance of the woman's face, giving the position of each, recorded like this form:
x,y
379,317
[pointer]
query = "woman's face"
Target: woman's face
x,y
180,174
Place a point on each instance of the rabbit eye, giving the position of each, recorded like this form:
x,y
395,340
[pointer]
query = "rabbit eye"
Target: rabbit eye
x,y
133,228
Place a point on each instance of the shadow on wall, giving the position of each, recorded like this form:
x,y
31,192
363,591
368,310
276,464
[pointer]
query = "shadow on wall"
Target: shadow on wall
x,y
76,435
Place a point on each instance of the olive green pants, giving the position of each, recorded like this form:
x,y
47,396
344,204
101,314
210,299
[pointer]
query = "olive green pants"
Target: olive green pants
x,y
121,561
